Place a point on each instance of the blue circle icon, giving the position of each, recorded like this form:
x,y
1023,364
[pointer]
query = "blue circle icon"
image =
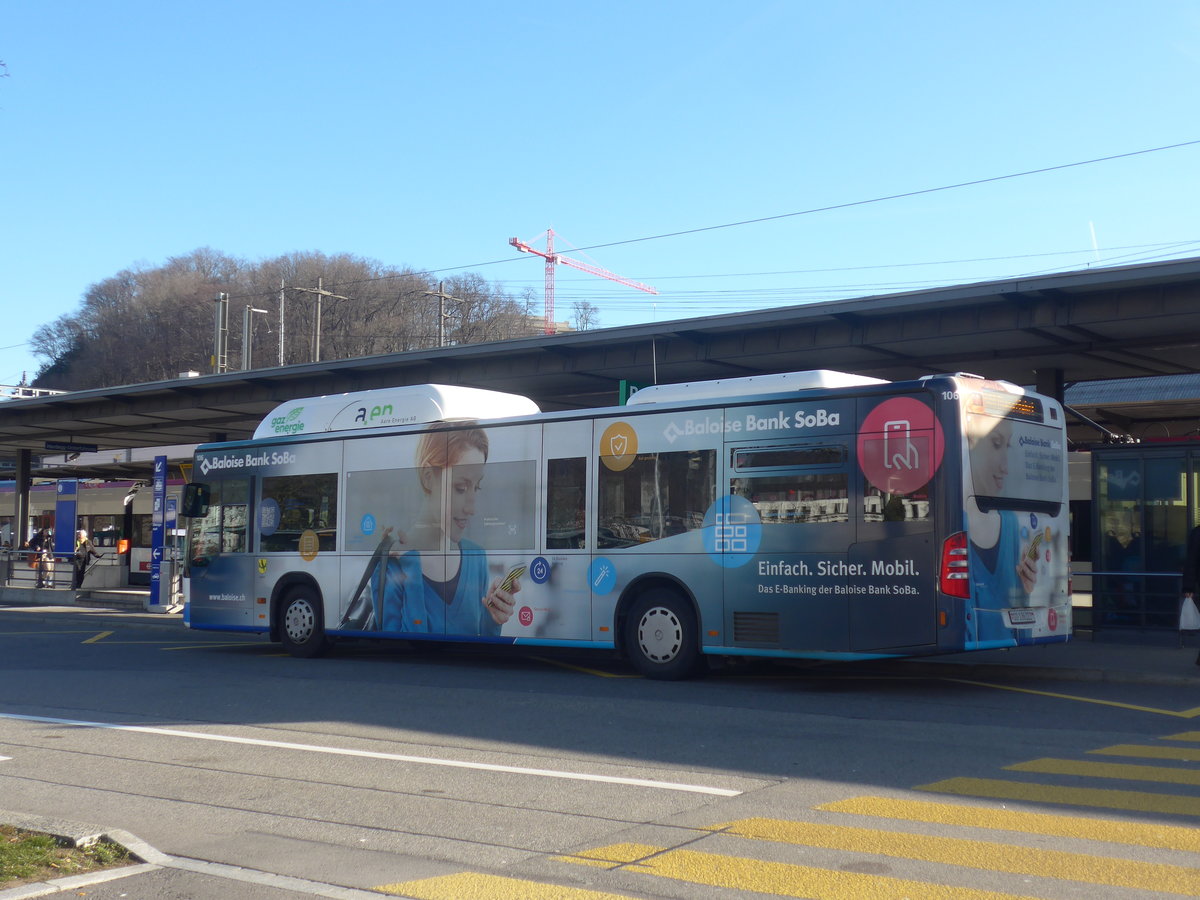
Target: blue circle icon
x,y
539,570
602,575
732,531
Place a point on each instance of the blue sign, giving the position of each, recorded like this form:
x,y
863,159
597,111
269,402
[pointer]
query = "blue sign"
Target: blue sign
x,y
64,517
158,529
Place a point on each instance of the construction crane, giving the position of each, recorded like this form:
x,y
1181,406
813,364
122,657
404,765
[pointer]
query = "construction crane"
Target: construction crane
x,y
553,259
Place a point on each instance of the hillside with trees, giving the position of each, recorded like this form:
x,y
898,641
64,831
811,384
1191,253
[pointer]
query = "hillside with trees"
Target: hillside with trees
x,y
152,323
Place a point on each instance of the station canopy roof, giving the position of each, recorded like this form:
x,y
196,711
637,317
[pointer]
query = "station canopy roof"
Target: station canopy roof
x,y
1093,331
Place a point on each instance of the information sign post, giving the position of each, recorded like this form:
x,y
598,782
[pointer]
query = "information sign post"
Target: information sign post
x,y
158,532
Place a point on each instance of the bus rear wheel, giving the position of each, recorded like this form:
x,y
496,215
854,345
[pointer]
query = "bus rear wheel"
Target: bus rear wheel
x,y
302,624
661,636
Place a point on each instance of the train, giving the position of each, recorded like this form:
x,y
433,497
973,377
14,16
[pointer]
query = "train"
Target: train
x,y
116,514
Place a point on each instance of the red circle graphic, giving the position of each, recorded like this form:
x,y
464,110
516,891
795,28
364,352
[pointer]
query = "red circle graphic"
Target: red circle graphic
x,y
900,445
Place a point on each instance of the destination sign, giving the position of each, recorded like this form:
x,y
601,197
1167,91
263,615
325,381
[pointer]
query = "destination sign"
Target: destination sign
x,y
69,447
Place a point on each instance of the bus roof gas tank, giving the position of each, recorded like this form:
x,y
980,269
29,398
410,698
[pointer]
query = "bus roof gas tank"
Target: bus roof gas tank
x,y
781,383
389,407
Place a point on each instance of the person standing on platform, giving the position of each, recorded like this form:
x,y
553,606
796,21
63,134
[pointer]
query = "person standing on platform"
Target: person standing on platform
x,y
39,547
85,550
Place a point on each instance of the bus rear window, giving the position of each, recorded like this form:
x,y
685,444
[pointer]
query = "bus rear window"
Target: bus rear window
x,y
1011,463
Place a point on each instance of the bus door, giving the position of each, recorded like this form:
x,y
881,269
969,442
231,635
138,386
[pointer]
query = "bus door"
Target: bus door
x,y
900,457
217,566
790,594
555,591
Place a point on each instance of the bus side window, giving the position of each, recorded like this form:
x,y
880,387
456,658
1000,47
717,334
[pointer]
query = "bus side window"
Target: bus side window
x,y
787,499
566,503
659,495
814,488
222,529
880,506
298,503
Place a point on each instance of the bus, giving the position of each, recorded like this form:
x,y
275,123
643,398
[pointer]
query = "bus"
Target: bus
x,y
804,515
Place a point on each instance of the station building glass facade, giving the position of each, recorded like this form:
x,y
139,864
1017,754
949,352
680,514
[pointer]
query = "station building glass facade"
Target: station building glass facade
x,y
1145,500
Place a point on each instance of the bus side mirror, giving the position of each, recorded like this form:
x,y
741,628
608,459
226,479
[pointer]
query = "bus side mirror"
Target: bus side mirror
x,y
195,500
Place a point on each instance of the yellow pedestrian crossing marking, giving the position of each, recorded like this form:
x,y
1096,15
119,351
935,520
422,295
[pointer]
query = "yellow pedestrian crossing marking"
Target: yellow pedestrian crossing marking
x,y
1137,834
1030,861
476,886
1124,771
1150,751
1131,801
774,878
974,854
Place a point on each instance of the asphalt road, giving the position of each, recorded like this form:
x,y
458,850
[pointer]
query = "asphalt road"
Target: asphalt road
x,y
453,773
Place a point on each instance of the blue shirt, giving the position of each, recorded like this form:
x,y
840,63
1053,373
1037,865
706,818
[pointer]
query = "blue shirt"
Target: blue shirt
x,y
414,603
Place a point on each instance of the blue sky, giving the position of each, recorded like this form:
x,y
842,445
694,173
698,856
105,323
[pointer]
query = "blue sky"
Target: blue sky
x,y
427,135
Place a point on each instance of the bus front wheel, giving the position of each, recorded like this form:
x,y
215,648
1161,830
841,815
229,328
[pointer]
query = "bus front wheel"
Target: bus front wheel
x,y
302,624
660,636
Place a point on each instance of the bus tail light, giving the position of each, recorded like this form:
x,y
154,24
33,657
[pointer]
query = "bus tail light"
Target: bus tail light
x,y
955,577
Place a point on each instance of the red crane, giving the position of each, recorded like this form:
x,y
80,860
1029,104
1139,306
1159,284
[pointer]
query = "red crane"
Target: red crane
x,y
553,258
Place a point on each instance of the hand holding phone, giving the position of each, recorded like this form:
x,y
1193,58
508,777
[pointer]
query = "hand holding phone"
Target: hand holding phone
x,y
511,578
499,600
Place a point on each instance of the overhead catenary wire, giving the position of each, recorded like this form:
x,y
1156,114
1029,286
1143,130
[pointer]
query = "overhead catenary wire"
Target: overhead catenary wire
x,y
777,217
754,297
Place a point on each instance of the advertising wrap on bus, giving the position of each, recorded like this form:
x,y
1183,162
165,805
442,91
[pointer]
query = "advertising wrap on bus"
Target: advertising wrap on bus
x,y
835,523
1014,469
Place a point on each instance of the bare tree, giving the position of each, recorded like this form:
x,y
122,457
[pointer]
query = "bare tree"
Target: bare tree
x,y
585,315
148,324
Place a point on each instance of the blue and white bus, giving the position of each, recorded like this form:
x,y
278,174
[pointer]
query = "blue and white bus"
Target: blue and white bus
x,y
812,515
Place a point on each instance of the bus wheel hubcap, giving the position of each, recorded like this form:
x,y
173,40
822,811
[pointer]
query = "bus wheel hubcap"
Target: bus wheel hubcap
x,y
299,621
660,634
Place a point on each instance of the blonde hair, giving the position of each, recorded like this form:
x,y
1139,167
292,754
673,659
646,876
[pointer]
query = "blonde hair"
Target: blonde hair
x,y
440,448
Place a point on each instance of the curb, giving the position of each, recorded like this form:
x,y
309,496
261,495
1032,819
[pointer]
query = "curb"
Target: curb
x,y
73,834
150,859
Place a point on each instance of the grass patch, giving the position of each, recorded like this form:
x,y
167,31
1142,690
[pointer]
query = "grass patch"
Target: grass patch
x,y
28,856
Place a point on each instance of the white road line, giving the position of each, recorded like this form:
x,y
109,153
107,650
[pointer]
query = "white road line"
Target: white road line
x,y
394,757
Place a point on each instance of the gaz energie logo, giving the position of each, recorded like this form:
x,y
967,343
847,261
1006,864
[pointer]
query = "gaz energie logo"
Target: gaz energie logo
x,y
289,424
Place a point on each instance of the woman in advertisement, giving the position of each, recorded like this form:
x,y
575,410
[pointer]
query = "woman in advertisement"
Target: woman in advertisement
x,y
436,579
1003,570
